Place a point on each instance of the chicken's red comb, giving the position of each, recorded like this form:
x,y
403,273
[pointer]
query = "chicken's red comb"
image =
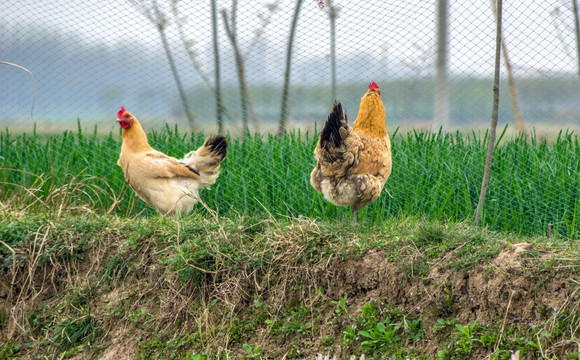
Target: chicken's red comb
x,y
373,86
121,112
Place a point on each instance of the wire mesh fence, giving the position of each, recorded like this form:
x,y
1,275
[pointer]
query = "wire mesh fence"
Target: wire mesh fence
x,y
208,66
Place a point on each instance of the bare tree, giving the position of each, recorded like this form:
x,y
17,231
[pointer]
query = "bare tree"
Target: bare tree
x,y
157,18
441,118
511,81
332,15
188,45
561,27
245,93
494,116
577,31
286,86
264,23
218,91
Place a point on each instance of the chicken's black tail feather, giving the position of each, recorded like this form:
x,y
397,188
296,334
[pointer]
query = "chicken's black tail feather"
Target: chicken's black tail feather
x,y
217,145
330,134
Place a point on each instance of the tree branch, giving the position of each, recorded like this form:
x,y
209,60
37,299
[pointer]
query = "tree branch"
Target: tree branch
x,y
494,116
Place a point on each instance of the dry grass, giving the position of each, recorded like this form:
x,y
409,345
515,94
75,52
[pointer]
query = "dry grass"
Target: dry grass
x,y
77,194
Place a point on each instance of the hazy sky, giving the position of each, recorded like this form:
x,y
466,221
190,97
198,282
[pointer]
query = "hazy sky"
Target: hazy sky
x,y
538,40
111,54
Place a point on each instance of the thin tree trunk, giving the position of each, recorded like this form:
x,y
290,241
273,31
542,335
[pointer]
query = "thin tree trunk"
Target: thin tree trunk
x,y
245,93
577,28
441,110
272,8
240,68
196,65
253,112
286,86
218,91
494,116
511,80
332,14
161,29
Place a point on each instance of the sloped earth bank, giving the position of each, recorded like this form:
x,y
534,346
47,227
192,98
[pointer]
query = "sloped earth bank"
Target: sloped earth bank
x,y
109,288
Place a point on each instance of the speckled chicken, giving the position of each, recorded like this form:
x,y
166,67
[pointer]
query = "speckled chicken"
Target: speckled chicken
x,y
169,185
353,163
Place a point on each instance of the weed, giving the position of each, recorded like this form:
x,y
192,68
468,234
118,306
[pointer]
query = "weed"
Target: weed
x,y
295,352
326,341
445,306
171,346
444,324
379,339
340,306
8,350
115,268
414,330
378,329
252,352
141,318
70,332
461,342
292,321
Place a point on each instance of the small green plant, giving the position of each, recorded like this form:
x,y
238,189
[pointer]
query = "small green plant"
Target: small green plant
x,y
379,339
379,327
141,317
8,350
414,330
292,321
326,341
251,352
341,306
295,352
193,356
466,336
170,346
445,307
461,342
115,268
444,324
71,332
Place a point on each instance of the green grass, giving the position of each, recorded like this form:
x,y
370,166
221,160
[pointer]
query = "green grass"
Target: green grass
x,y
534,186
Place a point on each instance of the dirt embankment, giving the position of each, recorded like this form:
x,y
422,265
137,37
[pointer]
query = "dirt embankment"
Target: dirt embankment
x,y
138,306
503,288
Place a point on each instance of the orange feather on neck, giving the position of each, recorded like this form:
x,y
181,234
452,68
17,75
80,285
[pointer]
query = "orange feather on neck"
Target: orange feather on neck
x,y
371,116
134,138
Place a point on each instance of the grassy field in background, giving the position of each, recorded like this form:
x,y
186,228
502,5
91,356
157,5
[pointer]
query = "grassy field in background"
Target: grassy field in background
x,y
534,187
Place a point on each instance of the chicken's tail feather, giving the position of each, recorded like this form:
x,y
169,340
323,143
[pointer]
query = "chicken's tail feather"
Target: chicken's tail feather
x,y
338,147
331,134
206,160
217,145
